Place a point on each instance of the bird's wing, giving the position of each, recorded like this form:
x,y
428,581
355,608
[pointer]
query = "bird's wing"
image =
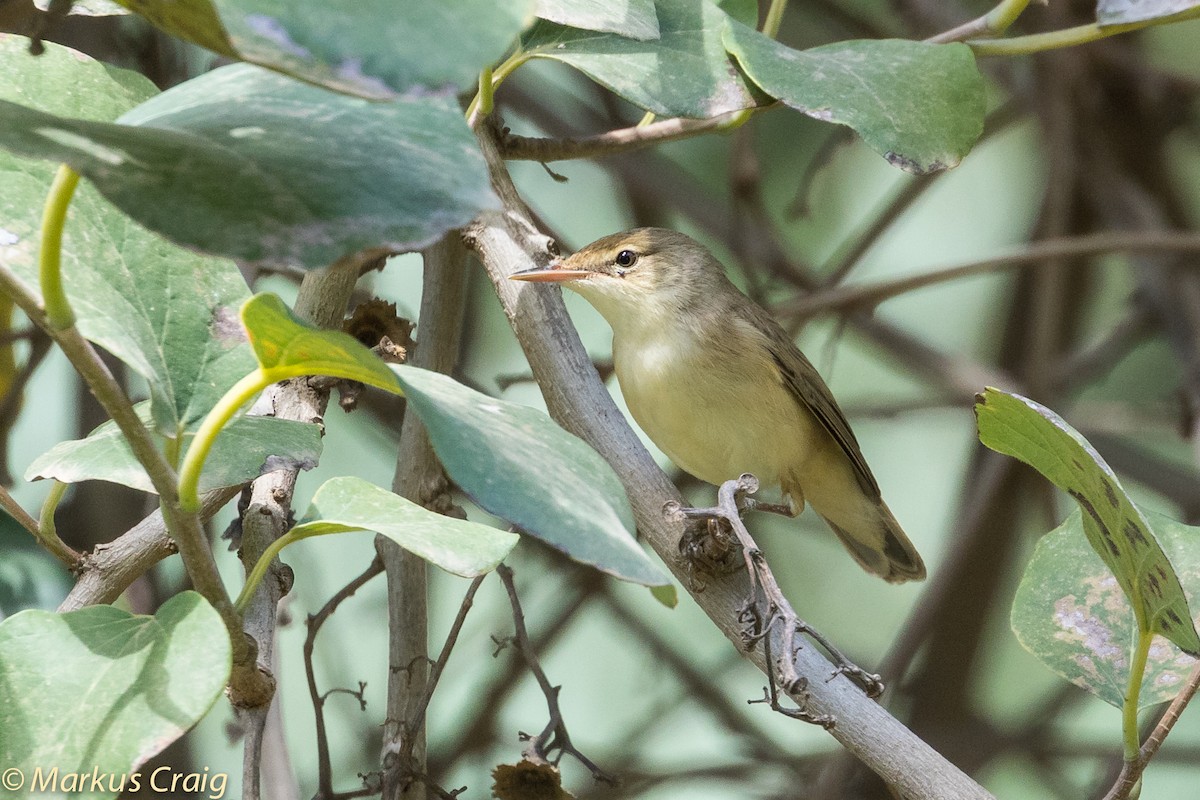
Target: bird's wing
x,y
809,389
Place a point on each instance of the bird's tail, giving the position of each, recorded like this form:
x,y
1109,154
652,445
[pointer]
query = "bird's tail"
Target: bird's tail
x,y
863,522
882,547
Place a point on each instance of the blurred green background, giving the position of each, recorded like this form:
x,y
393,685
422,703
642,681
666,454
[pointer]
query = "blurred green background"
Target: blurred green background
x,y
658,696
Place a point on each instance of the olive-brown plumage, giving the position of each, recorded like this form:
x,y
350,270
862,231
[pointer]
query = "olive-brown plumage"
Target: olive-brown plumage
x,y
722,389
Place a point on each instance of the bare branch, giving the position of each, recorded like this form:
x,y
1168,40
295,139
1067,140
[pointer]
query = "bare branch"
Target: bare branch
x,y
554,736
529,148
322,300
419,477
1031,255
1131,771
112,567
313,625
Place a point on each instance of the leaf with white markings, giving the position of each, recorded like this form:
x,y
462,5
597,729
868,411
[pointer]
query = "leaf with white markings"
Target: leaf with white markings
x,y
1071,613
918,105
376,49
685,72
1123,12
1115,527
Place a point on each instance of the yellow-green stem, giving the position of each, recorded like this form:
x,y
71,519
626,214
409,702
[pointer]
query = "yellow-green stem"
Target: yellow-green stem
x,y
481,104
260,569
737,120
1068,37
171,449
47,531
264,561
507,67
646,119
486,91
1001,18
193,462
237,396
46,524
54,218
775,17
1129,709
490,80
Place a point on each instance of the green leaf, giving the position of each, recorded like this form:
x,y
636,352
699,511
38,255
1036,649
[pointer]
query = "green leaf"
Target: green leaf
x,y
744,11
376,49
685,72
29,576
166,313
918,105
665,594
1070,612
1121,12
633,19
63,81
101,689
518,464
248,447
286,344
194,20
1116,529
88,8
457,546
238,163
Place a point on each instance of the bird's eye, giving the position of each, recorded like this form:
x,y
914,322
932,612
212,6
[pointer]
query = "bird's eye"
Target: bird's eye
x,y
626,258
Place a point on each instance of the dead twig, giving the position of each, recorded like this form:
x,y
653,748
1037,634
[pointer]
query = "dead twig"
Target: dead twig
x,y
766,607
554,736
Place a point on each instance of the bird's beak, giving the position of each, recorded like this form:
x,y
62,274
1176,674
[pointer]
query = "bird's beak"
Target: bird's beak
x,y
551,273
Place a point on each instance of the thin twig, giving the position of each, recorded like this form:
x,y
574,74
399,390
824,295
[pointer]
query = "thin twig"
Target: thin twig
x,y
39,346
481,733
1031,255
554,737
767,607
10,504
439,666
622,140
313,625
911,189
419,476
1075,369
1131,771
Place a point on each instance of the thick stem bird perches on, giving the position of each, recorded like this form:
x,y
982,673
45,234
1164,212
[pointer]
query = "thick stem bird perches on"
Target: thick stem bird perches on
x,y
765,607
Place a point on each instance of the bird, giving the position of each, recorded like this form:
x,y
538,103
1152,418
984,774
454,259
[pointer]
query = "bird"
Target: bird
x,y
722,390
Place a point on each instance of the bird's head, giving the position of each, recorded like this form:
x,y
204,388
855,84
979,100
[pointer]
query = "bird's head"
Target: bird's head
x,y
642,276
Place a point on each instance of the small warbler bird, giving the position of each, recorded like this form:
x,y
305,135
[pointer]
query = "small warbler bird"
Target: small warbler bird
x,y
722,389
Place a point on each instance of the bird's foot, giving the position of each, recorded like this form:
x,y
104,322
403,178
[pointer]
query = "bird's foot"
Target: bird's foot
x,y
871,683
708,545
782,509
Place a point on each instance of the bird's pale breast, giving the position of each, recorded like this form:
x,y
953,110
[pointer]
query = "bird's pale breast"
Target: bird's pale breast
x,y
716,413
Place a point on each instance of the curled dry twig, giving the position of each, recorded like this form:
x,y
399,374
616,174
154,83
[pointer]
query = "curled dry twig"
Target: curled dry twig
x,y
554,736
766,607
